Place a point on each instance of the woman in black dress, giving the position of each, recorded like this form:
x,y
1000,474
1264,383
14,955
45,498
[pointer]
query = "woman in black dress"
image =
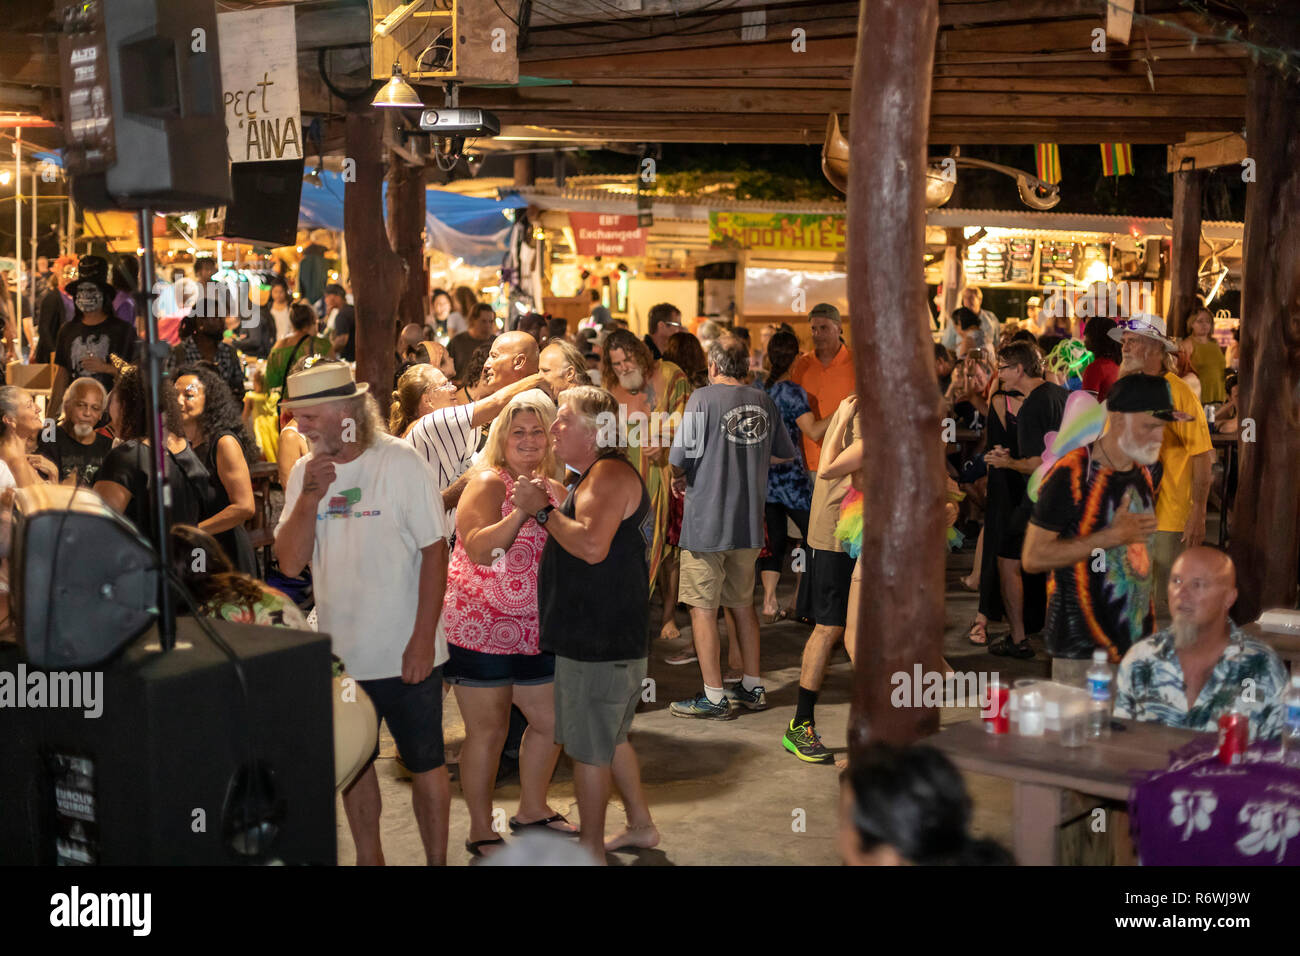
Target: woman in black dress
x,y
123,479
1005,490
211,421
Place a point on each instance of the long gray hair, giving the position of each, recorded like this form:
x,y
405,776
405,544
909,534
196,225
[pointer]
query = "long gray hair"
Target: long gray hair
x,y
11,402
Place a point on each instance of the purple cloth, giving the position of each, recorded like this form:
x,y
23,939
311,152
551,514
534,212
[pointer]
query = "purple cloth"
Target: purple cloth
x,y
124,307
1198,812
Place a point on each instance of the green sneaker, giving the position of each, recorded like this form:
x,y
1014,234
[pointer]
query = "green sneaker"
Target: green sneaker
x,y
803,742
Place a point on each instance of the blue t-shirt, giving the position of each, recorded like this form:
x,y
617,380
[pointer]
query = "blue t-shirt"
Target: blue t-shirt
x,y
787,484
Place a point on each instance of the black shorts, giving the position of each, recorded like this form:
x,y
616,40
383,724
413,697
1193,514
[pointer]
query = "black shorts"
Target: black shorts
x,y
831,574
476,669
414,716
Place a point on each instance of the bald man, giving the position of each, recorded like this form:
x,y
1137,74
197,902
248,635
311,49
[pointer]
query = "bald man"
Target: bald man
x,y
1198,667
513,356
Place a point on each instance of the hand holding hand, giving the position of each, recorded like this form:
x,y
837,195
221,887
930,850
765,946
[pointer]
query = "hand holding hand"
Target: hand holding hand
x,y
530,495
44,467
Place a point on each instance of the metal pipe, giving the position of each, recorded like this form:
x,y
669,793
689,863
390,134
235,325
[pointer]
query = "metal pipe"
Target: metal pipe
x,y
31,275
18,230
160,495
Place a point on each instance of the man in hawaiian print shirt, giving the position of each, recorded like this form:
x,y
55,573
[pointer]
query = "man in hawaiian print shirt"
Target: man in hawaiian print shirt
x,y
1202,657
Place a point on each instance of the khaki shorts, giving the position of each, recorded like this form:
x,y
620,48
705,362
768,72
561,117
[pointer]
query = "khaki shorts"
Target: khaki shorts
x,y
594,705
710,579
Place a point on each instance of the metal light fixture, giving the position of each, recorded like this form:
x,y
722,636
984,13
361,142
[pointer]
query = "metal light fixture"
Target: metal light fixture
x,y
397,93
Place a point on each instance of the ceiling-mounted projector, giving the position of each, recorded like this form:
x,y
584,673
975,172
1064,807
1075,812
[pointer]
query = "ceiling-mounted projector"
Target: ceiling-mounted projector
x,y
454,121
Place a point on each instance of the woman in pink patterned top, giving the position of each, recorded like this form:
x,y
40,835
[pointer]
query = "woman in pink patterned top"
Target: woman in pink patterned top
x,y
490,619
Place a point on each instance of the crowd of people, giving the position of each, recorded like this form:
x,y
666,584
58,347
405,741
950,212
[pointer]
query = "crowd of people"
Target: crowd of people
x,y
486,529
1106,556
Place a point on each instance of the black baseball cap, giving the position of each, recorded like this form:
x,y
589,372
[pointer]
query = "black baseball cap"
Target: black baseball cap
x,y
1144,393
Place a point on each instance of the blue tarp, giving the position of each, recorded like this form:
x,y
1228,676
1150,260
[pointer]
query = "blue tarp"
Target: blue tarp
x,y
473,229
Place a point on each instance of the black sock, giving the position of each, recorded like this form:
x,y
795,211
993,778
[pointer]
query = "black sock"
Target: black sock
x,y
803,711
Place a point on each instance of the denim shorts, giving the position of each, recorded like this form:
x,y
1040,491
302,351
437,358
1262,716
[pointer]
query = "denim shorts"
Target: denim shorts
x,y
476,669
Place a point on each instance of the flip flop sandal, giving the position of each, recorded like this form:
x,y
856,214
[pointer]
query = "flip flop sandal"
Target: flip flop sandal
x,y
1006,647
982,629
475,847
516,826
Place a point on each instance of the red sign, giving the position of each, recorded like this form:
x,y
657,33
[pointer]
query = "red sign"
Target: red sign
x,y
601,234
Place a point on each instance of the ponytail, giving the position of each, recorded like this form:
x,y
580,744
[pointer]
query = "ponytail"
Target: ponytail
x,y
782,350
405,408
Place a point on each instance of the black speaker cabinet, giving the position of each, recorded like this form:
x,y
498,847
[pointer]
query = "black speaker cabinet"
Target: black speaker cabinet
x,y
179,766
264,211
144,119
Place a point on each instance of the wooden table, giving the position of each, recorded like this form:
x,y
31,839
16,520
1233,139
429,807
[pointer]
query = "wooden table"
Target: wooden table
x,y
1044,772
1287,646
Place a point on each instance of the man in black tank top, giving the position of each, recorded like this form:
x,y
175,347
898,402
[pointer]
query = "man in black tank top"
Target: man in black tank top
x,y
593,598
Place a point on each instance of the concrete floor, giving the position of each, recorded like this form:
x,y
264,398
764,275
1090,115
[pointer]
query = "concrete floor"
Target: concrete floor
x,y
726,792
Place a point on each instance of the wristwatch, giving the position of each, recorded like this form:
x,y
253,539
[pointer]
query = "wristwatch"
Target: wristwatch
x,y
544,515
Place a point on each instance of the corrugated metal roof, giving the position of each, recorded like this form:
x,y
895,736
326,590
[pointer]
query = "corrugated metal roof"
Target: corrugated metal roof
x,y
696,208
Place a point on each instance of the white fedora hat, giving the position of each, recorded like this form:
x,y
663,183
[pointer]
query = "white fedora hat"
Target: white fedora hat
x,y
322,382
1152,326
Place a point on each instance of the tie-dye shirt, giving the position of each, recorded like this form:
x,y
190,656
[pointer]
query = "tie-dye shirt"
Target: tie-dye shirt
x,y
1105,600
1151,686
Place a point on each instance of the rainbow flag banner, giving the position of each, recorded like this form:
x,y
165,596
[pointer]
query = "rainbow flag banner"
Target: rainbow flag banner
x,y
1116,159
1049,162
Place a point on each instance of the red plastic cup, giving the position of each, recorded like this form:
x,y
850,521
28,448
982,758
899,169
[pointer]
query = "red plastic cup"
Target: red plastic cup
x,y
997,719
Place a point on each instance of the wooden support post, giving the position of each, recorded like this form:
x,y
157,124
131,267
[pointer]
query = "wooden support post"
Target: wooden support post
x,y
406,214
1266,532
1186,258
376,270
525,169
900,616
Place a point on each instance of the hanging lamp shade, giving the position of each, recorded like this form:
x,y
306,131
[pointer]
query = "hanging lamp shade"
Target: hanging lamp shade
x,y
398,93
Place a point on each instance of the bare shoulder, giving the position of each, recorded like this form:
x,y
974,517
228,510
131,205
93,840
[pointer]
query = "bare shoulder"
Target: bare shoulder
x,y
615,475
486,482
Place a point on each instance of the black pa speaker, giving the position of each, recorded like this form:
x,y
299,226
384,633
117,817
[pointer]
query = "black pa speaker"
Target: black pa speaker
x,y
83,581
144,119
174,759
264,211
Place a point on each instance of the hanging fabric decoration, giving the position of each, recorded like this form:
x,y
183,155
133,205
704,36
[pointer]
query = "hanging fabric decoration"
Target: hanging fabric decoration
x,y
1049,162
1116,159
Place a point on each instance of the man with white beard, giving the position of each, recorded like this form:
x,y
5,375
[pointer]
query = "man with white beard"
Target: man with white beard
x,y
73,445
1091,528
1199,667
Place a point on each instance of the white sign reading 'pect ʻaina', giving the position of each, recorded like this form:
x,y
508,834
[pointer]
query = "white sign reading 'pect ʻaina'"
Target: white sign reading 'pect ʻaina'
x,y
259,74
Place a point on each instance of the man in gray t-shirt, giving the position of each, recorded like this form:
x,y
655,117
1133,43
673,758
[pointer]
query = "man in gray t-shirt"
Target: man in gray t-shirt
x,y
730,433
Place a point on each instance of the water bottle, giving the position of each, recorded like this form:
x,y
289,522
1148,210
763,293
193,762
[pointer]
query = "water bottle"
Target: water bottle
x,y
1099,688
1291,732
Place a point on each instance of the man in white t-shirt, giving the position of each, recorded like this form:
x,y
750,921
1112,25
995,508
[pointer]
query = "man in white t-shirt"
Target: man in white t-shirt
x,y
362,508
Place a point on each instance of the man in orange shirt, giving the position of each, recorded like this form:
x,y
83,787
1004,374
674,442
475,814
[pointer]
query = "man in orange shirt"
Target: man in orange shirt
x,y
825,373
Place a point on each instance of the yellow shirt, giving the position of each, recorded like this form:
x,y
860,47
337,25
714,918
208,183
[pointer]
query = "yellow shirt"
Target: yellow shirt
x,y
1183,441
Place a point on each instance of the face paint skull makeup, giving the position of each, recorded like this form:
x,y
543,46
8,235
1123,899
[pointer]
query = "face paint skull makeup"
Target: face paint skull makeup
x,y
89,299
